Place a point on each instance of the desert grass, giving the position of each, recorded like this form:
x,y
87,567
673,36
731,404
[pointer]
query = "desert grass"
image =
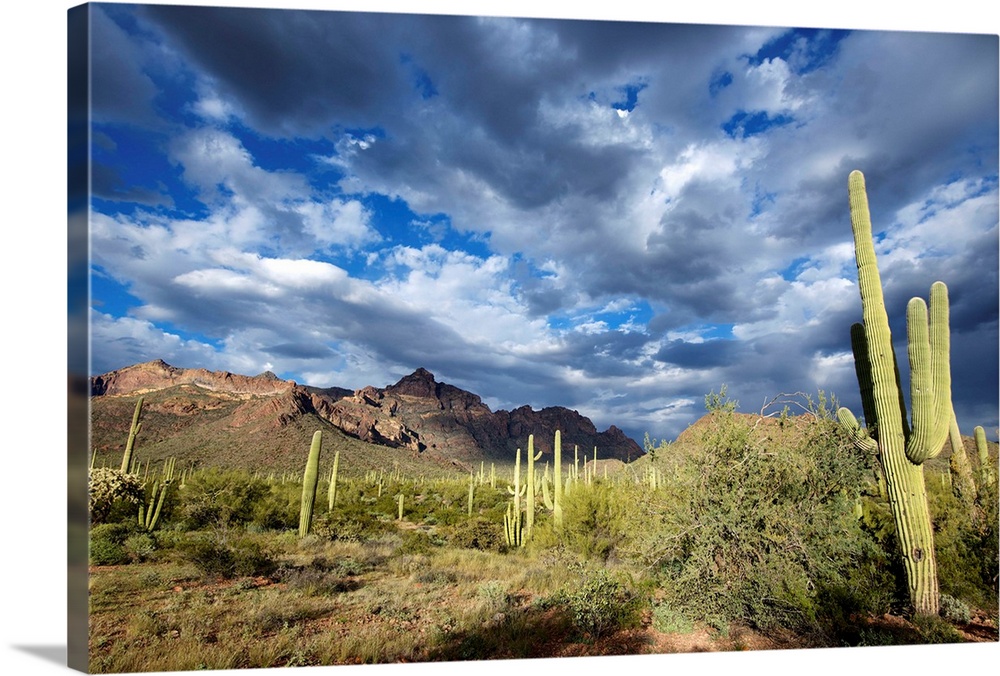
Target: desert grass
x,y
347,603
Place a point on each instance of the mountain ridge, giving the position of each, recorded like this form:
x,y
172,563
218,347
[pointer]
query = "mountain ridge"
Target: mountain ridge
x,y
417,416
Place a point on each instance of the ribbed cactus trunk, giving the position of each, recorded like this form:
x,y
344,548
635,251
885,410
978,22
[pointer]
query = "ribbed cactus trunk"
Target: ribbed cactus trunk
x,y
901,450
961,472
132,434
557,514
331,498
529,507
986,474
310,479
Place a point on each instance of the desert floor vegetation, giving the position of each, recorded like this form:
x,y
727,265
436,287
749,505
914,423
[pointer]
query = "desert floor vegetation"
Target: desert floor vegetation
x,y
749,531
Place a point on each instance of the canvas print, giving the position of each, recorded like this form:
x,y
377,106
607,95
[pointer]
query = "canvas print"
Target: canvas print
x,y
406,338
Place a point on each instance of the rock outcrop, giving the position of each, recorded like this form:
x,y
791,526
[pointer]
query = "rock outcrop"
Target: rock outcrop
x,y
418,413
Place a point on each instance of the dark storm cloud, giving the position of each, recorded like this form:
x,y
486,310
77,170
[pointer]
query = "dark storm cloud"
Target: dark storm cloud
x,y
709,354
120,91
296,73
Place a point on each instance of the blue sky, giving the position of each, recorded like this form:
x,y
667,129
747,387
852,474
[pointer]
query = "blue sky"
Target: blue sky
x,y
615,217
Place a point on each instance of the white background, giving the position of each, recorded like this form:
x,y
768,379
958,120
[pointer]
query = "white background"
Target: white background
x,y
33,337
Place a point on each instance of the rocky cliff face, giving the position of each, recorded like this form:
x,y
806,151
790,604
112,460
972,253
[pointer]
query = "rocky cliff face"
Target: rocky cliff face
x,y
417,413
159,375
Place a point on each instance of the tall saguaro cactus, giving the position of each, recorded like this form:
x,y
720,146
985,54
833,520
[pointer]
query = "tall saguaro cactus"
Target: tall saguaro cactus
x,y
132,434
557,513
901,449
529,507
310,479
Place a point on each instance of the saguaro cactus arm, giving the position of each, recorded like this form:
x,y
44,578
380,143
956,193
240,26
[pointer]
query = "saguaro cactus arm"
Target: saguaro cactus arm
x,y
858,434
928,346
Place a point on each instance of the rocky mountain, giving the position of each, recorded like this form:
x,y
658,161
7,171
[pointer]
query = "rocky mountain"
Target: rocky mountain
x,y
215,417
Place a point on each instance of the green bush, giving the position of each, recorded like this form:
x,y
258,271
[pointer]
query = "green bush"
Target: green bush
x,y
596,521
965,543
221,498
669,620
140,547
602,604
229,557
757,525
350,523
108,543
477,533
954,610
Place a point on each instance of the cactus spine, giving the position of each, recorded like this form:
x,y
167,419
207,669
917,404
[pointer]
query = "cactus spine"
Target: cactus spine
x,y
132,434
901,449
309,481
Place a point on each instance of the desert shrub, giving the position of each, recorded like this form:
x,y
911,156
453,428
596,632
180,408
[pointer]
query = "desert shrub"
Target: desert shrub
x,y
670,620
108,543
114,495
229,556
140,546
602,604
107,553
494,596
418,542
954,610
350,523
221,498
278,508
757,525
477,533
319,578
595,520
934,629
965,544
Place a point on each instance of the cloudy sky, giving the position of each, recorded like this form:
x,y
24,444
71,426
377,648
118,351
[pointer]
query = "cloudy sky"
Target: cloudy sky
x,y
614,217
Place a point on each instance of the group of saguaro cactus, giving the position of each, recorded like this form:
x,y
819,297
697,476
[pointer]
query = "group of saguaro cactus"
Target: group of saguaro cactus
x,y
518,526
902,448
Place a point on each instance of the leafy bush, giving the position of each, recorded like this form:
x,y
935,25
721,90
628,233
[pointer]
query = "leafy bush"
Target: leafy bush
x,y
602,604
965,544
140,547
478,533
350,523
221,498
108,543
229,557
669,620
757,525
596,521
954,610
